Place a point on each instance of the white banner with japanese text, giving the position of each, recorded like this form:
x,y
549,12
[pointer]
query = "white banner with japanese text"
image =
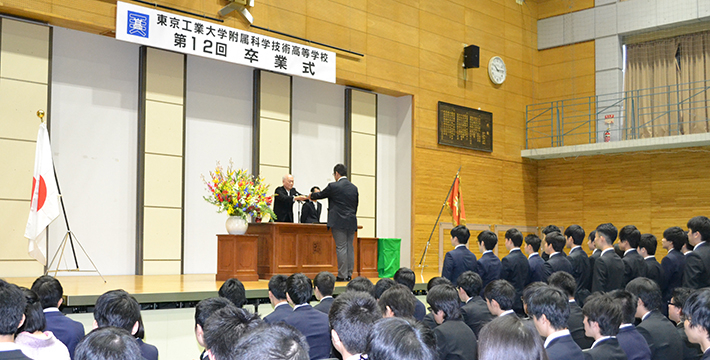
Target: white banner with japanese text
x,y
158,29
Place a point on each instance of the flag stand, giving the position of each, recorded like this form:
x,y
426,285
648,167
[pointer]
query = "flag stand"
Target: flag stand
x,y
426,248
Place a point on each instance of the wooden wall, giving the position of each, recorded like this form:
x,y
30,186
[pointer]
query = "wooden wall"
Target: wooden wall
x,y
550,8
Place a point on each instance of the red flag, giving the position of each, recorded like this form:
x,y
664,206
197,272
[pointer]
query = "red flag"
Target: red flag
x,y
455,203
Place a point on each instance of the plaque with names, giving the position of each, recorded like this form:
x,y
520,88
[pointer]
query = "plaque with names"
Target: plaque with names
x,y
465,127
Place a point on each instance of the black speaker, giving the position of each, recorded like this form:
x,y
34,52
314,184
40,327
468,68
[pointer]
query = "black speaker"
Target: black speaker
x,y
471,57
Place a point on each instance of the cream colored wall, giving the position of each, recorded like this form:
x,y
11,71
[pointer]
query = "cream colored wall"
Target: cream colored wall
x,y
363,157
274,127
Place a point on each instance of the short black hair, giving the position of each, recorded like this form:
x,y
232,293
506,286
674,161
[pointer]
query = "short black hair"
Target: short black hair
x,y
299,288
563,281
677,236
550,228
700,224
437,280
576,232
352,316
461,233
399,299
592,235
397,338
206,307
649,242
557,241
602,309
470,282
272,342
406,277
233,289
508,337
502,292
225,327
680,295
647,290
361,284
488,238
445,298
697,308
117,308
628,303
534,241
108,343
530,289
277,286
49,290
382,285
34,317
340,169
515,236
551,302
325,282
631,234
608,232
314,188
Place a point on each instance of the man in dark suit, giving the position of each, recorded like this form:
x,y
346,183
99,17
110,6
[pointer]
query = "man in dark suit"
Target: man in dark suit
x,y
535,262
454,339
118,308
312,323
673,263
342,198
324,284
697,319
515,268
474,311
488,267
545,231
601,321
50,293
554,246
203,311
679,297
310,213
659,332
575,323
630,339
499,296
634,267
595,252
277,298
352,316
406,277
284,197
697,264
12,309
608,267
549,309
654,270
581,271
461,259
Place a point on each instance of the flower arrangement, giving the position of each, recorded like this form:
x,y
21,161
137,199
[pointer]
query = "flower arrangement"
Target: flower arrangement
x,y
238,193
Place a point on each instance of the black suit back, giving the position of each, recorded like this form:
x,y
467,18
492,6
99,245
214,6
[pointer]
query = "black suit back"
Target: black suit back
x,y
607,349
515,269
607,272
343,199
476,314
581,270
634,266
673,265
661,336
564,348
575,324
654,271
697,268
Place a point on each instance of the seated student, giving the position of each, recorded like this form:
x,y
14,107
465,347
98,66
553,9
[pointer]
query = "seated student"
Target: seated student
x,y
406,277
12,308
514,267
674,262
499,298
654,270
233,289
549,309
397,301
535,262
459,259
488,267
675,310
398,338
575,322
203,311
312,323
324,283
508,337
474,311
602,318
429,318
277,298
697,320
659,332
454,339
50,293
554,246
361,284
634,267
381,286
31,339
351,318
118,308
225,327
631,341
581,270
271,342
108,343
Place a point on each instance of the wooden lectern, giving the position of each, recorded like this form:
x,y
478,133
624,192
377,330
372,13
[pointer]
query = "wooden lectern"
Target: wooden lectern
x,y
237,257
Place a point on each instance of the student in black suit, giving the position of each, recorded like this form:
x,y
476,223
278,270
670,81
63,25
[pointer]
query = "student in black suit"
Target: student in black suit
x,y
50,293
596,253
488,267
608,266
312,323
581,270
474,311
658,331
461,259
429,319
654,270
575,323
508,337
546,231
324,284
342,198
634,267
673,263
499,296
381,286
602,318
118,308
697,320
535,262
107,343
397,301
203,311
284,197
406,277
397,338
225,328
514,267
675,311
633,343
549,309
351,318
234,291
277,298
697,264
310,212
554,246
12,309
454,339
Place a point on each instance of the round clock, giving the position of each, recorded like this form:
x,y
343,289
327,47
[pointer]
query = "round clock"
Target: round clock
x,y
496,70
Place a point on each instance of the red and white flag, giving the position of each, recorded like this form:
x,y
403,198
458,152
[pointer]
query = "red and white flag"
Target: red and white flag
x,y
44,206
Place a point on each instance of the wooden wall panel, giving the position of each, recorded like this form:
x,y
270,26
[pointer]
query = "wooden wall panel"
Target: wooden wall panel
x,y
549,8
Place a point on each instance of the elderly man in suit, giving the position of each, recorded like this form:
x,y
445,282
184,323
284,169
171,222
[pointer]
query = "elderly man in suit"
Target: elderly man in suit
x,y
342,198
461,259
284,196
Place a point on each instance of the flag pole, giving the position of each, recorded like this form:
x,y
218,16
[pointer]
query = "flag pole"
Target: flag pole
x,y
426,248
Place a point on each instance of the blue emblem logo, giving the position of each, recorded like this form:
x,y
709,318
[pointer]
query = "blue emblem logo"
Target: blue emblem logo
x,y
138,24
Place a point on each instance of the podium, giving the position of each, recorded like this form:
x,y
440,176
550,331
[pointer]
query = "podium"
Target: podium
x,y
237,257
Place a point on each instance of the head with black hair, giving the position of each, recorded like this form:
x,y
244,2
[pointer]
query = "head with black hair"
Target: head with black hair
x,y
697,317
397,338
49,290
508,337
117,308
204,309
406,277
12,308
444,302
271,342
605,236
629,237
487,240
590,240
108,343
470,282
678,298
34,317
499,295
351,318
528,291
648,292
563,281
575,232
549,308
460,235
361,284
647,245
298,289
555,241
602,316
550,229
315,188
698,230
225,327
437,280
513,237
233,289
532,243
277,289
397,301
324,283
674,238
383,285
628,303
340,170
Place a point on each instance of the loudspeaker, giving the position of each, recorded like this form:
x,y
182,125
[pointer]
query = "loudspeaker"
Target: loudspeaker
x,y
471,57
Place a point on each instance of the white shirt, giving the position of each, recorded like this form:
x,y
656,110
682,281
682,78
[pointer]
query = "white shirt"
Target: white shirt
x,y
487,251
624,326
595,251
555,253
645,316
51,309
603,338
533,254
649,257
605,250
457,246
513,249
8,346
627,251
700,243
302,305
325,297
281,303
575,248
556,335
506,313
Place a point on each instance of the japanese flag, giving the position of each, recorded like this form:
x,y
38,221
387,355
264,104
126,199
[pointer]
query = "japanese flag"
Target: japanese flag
x,y
44,206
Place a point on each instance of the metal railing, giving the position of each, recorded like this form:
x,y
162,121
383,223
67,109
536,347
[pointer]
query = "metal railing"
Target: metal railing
x,y
659,111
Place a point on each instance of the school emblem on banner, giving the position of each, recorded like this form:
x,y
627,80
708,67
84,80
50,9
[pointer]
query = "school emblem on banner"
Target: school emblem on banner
x,y
138,24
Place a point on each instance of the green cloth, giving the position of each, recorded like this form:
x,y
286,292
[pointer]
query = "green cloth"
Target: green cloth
x,y
388,257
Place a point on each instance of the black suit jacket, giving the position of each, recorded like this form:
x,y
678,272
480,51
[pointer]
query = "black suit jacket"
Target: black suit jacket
x,y
673,265
488,267
149,352
13,355
283,204
429,321
458,261
697,267
633,266
310,212
575,324
558,262
515,269
596,253
608,349
476,314
455,341
66,330
324,305
536,263
564,348
343,199
279,314
706,356
607,272
661,336
419,310
654,271
633,343
581,270
690,351
314,325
